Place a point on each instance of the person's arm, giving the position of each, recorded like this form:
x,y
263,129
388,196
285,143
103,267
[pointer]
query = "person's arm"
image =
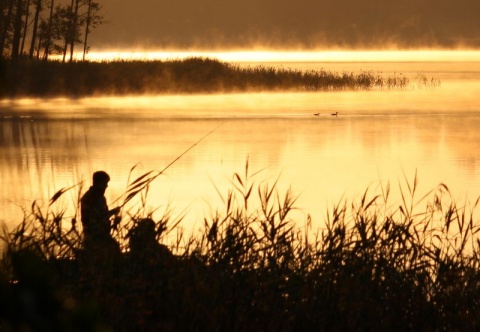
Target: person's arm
x,y
114,211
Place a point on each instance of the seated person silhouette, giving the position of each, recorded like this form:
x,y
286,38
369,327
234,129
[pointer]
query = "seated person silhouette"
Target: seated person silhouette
x,y
145,250
96,219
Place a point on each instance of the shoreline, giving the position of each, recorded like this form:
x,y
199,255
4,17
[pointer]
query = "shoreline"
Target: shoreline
x,y
51,79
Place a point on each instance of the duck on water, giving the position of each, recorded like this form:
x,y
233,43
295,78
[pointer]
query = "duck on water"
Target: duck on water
x,y
333,114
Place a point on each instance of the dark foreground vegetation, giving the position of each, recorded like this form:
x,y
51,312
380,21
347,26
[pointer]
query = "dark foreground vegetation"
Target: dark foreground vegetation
x,y
376,266
32,78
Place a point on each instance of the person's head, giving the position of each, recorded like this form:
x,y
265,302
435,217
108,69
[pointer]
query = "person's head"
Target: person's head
x,y
101,179
142,235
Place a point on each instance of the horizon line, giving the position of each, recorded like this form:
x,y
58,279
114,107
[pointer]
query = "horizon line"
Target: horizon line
x,y
278,55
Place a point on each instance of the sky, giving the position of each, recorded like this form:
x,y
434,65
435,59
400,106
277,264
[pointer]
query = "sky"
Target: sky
x,y
288,24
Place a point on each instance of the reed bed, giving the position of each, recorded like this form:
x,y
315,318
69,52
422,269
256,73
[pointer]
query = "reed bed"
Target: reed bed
x,y
375,265
192,75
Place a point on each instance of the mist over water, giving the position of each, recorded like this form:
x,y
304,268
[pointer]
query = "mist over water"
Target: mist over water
x,y
378,137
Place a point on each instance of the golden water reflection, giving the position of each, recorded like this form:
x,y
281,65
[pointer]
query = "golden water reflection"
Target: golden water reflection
x,y
377,138
323,158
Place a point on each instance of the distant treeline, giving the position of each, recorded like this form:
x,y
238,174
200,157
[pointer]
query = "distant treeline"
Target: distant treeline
x,y
192,75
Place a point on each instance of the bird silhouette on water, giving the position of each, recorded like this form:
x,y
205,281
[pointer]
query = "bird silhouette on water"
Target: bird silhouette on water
x,y
333,114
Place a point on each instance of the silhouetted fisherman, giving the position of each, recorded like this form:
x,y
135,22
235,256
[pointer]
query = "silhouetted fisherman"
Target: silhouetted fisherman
x,y
145,250
96,219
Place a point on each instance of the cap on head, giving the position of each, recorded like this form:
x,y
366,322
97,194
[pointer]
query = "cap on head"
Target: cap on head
x,y
100,177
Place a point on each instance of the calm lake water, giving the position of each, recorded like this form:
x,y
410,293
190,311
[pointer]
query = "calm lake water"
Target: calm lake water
x,y
379,137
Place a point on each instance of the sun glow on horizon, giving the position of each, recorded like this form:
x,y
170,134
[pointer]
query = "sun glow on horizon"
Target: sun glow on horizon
x,y
242,56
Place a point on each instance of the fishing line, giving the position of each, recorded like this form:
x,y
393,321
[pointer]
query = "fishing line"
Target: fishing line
x,y
191,147
143,181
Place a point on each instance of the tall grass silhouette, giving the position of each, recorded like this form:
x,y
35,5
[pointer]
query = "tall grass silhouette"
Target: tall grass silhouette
x,y
374,265
191,75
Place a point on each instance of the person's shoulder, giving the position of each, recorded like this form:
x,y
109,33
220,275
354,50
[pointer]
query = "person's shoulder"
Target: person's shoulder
x,y
88,195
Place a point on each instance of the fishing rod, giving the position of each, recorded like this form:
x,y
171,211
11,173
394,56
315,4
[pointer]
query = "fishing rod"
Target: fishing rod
x,y
191,147
143,181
